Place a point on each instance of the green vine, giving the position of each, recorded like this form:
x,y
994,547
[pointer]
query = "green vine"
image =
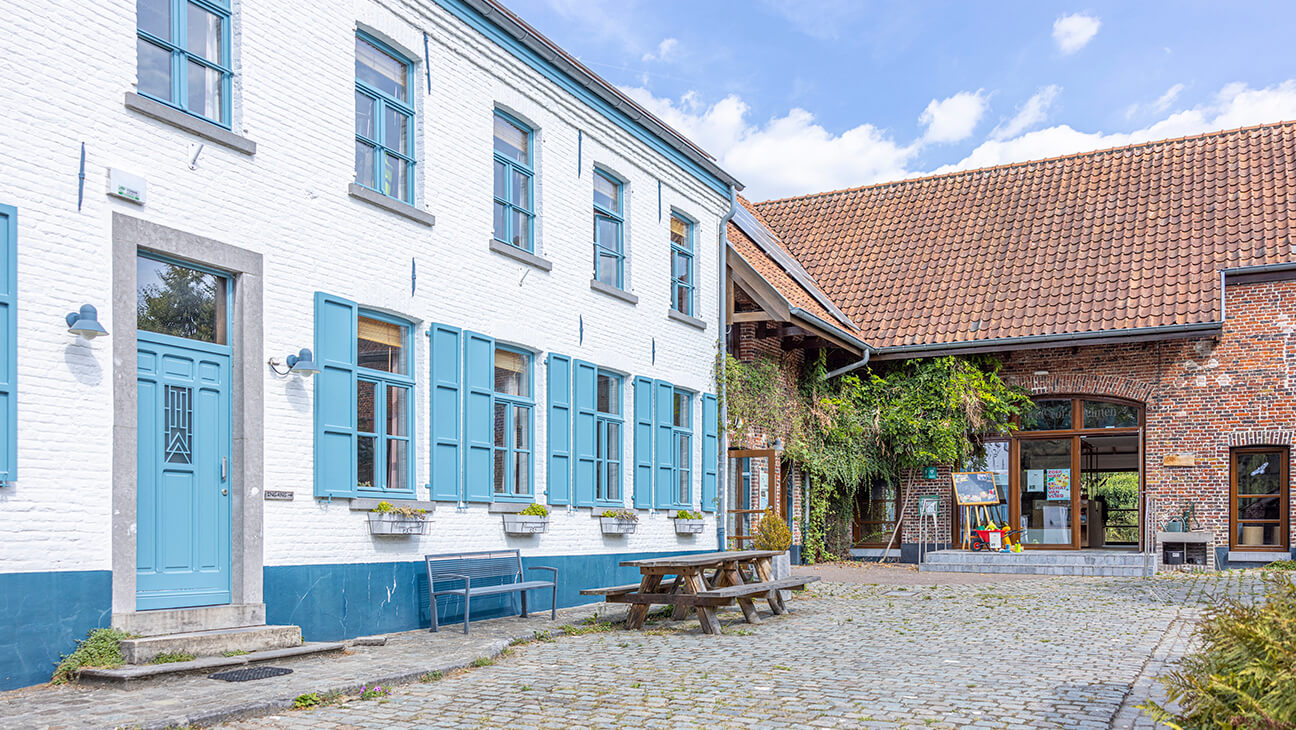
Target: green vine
x,y
877,423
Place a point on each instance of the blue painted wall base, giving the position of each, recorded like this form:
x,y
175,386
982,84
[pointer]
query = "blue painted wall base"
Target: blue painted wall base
x,y
42,615
341,601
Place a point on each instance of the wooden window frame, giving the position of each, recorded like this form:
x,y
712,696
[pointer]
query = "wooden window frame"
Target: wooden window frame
x,y
181,57
510,448
382,380
602,248
379,143
512,168
1284,497
612,494
685,251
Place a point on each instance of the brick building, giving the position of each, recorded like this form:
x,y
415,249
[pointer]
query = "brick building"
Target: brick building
x,y
1143,295
509,276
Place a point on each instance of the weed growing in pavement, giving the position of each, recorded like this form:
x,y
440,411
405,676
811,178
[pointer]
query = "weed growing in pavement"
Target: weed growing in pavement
x,y
100,648
432,676
171,657
235,652
482,661
374,692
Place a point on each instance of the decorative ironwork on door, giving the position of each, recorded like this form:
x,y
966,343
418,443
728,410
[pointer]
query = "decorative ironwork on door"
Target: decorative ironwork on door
x,y
178,424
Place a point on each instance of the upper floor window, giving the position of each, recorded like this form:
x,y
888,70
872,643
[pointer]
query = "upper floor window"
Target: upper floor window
x,y
514,183
514,408
609,221
183,55
608,420
383,413
384,146
681,236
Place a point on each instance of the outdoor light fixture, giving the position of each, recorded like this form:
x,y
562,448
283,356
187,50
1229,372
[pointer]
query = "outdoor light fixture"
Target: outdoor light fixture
x,y
303,363
778,444
85,322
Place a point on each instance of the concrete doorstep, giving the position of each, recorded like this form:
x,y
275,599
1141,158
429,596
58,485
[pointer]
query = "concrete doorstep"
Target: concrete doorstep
x,y
188,698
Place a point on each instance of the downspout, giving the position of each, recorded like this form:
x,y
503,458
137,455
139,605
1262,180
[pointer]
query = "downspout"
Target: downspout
x,y
722,417
853,366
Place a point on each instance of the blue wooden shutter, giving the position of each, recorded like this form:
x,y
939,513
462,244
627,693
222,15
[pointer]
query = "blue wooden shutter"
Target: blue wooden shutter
x,y
8,344
558,429
585,400
445,360
335,396
664,425
710,451
643,443
479,416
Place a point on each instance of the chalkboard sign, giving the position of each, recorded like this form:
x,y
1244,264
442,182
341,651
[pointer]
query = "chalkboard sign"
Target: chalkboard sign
x,y
975,488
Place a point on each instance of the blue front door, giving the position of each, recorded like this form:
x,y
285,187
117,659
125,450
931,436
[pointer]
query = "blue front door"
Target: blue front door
x,y
184,439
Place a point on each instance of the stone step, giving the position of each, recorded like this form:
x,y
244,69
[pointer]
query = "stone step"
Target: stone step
x,y
1037,557
139,672
1085,570
210,643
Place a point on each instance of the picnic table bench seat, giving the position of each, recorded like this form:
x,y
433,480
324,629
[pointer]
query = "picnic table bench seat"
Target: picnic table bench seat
x,y
752,589
483,573
610,590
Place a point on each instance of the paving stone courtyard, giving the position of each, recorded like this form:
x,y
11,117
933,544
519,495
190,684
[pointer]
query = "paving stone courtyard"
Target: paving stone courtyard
x,y
888,649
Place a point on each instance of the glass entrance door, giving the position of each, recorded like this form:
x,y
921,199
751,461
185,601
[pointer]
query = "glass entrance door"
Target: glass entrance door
x,y
753,485
1048,504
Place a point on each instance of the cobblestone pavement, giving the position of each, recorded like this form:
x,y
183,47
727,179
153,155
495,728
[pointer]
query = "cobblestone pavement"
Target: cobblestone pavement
x,y
1039,653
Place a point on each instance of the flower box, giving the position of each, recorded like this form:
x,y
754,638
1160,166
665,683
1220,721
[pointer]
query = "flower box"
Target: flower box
x,y
617,526
386,523
689,527
515,524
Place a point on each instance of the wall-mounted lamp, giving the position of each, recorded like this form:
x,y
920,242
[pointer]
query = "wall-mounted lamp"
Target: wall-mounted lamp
x,y
303,363
778,444
85,322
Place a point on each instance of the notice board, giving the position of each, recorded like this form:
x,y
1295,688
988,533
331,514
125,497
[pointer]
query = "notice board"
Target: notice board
x,y
974,488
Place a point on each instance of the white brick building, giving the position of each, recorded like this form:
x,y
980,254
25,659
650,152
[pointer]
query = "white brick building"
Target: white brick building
x,y
137,489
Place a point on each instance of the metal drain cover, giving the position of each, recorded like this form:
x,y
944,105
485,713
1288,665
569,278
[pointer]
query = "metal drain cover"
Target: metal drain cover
x,y
248,674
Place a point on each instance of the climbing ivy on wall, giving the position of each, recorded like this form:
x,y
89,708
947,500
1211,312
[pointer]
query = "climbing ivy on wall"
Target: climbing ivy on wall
x,y
875,423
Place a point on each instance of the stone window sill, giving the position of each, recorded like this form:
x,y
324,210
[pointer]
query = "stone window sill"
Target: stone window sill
x,y
1257,556
685,319
508,508
401,208
189,123
613,292
518,254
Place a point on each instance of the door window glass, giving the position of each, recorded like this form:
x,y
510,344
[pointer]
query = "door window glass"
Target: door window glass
x,y
179,301
1101,414
1049,414
1046,491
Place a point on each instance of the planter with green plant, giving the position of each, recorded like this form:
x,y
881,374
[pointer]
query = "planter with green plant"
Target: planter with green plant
x,y
689,523
388,519
618,521
531,521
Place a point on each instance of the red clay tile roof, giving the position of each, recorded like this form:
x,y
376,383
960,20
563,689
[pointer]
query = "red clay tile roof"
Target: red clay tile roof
x,y
798,294
1108,240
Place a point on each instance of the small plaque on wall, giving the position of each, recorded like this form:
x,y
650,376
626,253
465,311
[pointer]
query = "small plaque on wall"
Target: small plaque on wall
x,y
1179,460
272,495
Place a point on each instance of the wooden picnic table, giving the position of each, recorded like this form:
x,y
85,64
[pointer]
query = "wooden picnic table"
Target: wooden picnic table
x,y
741,575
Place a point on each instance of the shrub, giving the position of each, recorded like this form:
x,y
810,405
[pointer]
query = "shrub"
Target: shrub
x,y
772,532
625,515
688,515
100,648
1244,674
536,510
1281,565
385,508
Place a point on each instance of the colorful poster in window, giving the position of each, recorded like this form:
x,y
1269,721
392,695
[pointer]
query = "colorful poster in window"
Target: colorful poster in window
x,y
1057,485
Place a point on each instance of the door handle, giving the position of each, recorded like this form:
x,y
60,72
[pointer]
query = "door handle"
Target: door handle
x,y
224,467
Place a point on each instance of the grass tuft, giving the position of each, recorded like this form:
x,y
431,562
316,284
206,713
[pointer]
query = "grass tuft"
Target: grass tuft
x,y
171,657
100,648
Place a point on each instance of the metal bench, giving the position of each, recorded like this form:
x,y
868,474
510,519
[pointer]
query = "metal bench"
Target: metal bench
x,y
454,574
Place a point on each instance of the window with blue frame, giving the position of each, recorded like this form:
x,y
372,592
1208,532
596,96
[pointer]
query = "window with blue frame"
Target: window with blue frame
x,y
384,152
608,420
514,183
683,446
609,224
383,415
514,408
183,55
681,236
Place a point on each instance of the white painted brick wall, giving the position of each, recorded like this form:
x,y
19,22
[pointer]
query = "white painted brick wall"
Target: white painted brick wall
x,y
295,100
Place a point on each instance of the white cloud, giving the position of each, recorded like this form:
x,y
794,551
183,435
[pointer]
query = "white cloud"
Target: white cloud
x,y
664,50
1164,101
1073,32
1034,111
786,155
953,119
1236,105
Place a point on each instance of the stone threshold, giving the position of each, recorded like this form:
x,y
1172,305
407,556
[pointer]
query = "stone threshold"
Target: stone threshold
x,y
137,672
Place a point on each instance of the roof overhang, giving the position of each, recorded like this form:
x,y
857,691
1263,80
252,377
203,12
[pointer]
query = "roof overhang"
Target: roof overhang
x,y
775,307
1039,342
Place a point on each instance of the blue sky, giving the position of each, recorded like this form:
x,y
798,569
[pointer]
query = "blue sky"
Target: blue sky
x,y
800,96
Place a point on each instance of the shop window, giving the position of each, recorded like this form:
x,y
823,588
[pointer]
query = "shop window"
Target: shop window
x,y
384,135
183,55
1104,414
1258,498
514,183
1049,414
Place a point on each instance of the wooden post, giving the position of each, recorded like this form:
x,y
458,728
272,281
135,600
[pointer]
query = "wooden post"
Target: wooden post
x,y
730,576
639,611
765,574
693,583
